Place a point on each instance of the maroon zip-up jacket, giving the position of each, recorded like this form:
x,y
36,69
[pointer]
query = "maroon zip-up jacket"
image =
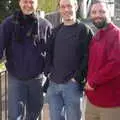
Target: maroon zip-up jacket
x,y
104,67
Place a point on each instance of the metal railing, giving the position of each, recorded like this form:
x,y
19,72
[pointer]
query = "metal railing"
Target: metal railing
x,y
3,95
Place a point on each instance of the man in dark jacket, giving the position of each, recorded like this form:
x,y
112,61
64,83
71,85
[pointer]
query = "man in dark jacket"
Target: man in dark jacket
x,y
23,36
103,77
66,63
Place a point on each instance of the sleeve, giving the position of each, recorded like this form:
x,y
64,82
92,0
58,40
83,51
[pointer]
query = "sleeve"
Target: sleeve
x,y
112,67
50,50
44,32
81,73
1,42
4,37
48,30
49,54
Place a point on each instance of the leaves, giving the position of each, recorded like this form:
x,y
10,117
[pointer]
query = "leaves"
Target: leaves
x,y
48,5
8,6
2,67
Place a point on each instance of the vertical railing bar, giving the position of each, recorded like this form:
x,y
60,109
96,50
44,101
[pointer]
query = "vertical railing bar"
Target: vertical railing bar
x,y
6,105
0,98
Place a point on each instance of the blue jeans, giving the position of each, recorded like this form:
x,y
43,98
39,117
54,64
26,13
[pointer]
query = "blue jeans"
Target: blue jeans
x,y
25,98
64,101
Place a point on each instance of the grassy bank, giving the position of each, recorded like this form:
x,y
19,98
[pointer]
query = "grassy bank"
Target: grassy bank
x,y
2,67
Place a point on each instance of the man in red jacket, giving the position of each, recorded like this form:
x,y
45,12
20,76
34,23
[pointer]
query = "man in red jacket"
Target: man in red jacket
x,y
103,78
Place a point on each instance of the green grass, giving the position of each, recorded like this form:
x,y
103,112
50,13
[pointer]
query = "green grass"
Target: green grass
x,y
2,67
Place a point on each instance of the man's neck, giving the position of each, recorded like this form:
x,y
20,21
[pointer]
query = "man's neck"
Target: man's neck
x,y
69,22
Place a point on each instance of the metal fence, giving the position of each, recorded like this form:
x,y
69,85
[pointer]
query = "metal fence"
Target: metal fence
x,y
3,95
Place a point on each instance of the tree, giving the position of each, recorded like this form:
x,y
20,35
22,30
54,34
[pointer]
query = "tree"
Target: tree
x,y
7,7
48,5
3,8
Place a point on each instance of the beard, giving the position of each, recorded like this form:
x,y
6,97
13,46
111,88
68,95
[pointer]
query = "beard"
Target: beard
x,y
101,24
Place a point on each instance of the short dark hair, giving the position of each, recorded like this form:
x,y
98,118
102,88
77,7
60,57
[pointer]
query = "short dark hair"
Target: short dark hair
x,y
98,1
59,2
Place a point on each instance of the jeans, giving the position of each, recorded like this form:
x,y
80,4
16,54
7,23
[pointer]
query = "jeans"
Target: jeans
x,y
64,101
25,99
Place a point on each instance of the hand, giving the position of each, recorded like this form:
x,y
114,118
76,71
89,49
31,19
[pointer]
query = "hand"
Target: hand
x,y
73,80
45,86
88,87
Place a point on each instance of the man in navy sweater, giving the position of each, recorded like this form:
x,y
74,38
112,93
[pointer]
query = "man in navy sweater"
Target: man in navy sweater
x,y
23,36
66,63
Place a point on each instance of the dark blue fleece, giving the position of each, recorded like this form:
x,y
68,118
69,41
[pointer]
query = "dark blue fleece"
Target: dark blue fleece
x,y
22,47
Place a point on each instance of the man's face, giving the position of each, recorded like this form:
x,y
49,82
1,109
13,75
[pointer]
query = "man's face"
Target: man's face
x,y
68,9
99,15
28,6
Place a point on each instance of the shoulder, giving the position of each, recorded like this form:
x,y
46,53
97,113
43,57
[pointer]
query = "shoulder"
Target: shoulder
x,y
86,28
116,33
7,20
7,24
114,30
57,28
